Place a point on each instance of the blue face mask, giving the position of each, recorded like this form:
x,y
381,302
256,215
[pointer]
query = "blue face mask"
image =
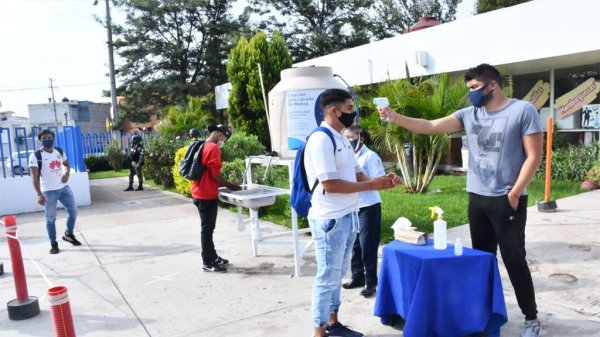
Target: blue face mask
x,y
354,144
478,99
48,143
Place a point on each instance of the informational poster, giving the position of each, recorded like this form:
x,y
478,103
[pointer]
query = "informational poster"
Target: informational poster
x,y
304,114
575,99
590,116
539,94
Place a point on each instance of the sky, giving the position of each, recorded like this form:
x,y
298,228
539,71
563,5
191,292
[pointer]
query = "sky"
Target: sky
x,y
60,39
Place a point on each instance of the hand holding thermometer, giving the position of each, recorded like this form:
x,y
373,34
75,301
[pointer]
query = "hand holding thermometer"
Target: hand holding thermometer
x,y
382,102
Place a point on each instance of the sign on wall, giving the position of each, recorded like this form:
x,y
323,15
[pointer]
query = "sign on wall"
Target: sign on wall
x,y
575,99
304,114
590,116
539,94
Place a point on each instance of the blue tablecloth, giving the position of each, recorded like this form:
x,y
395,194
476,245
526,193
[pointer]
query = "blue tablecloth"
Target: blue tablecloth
x,y
440,294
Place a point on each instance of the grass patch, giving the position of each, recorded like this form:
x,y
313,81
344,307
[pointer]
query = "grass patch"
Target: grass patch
x,y
452,198
108,174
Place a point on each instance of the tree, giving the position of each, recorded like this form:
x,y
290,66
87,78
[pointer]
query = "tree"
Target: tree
x,y
394,17
191,115
433,98
246,105
483,6
317,28
171,49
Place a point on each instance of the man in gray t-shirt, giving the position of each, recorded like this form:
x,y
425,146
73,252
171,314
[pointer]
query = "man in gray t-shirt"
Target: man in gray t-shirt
x,y
505,150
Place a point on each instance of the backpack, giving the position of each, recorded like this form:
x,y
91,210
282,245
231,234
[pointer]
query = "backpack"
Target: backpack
x,y
301,193
38,156
190,167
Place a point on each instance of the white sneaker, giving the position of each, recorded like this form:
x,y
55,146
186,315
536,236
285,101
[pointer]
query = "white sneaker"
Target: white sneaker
x,y
531,329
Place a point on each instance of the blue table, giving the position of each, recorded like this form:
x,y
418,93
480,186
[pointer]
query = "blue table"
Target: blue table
x,y
440,294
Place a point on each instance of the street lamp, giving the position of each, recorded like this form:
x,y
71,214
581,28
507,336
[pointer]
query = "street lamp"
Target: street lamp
x,y
111,63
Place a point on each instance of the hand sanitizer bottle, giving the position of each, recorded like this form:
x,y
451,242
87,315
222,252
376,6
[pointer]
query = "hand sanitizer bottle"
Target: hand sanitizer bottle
x,y
439,229
458,247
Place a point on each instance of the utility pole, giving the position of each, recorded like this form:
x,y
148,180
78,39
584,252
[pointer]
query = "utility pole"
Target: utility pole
x,y
111,63
53,102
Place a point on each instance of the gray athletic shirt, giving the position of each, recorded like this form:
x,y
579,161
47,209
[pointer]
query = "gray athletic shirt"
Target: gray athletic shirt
x,y
495,141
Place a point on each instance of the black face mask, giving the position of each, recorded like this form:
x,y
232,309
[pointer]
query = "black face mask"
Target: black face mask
x,y
347,118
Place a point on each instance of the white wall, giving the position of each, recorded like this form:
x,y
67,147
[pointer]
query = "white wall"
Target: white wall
x,y
536,34
18,196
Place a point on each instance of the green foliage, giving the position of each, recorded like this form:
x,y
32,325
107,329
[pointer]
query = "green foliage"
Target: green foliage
x,y
181,118
432,98
159,159
400,15
246,105
317,28
182,185
572,162
170,50
96,164
484,6
593,174
114,156
240,146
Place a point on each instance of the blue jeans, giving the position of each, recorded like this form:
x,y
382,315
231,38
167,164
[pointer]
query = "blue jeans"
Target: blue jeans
x,y
65,196
334,239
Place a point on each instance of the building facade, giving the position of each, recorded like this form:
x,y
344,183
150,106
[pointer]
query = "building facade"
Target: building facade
x,y
550,47
89,116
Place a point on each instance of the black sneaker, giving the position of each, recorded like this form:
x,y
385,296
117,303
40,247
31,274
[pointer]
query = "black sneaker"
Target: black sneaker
x,y
214,267
221,261
54,249
129,188
71,239
340,330
140,188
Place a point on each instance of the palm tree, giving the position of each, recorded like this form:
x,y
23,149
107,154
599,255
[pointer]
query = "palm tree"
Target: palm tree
x,y
431,98
181,118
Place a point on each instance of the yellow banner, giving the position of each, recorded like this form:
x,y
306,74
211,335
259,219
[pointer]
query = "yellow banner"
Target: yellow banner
x,y
575,99
539,94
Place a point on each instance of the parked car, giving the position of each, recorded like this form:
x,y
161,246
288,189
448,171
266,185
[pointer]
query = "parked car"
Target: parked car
x,y
18,163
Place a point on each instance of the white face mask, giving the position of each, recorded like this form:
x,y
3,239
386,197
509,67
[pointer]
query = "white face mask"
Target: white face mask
x,y
220,143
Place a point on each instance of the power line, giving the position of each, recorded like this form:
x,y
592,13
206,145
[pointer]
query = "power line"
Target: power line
x,y
62,86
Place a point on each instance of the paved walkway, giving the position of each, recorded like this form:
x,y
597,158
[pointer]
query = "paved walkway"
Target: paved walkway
x,y
138,273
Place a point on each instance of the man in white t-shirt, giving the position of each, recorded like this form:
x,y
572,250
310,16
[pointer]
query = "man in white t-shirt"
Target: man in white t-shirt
x,y
50,183
333,217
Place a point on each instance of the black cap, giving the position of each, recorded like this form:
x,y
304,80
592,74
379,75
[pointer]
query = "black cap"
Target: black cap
x,y
221,128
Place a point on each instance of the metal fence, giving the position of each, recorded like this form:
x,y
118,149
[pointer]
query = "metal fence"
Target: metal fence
x,y
17,145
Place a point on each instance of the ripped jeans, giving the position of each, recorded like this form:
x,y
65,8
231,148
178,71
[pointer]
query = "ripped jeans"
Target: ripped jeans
x,y
334,240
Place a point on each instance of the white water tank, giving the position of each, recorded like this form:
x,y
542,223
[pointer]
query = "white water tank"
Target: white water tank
x,y
294,106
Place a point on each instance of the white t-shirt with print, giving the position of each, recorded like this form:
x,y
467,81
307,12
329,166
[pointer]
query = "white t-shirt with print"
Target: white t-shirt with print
x,y
52,169
320,162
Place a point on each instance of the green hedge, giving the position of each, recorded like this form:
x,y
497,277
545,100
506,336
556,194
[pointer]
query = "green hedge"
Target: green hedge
x,y
572,162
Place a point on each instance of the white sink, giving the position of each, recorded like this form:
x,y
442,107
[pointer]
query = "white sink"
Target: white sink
x,y
251,196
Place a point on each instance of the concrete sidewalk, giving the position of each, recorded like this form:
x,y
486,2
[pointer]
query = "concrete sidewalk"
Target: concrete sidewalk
x,y
138,273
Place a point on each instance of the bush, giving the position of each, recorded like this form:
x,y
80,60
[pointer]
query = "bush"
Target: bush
x,y
114,156
593,174
240,146
182,185
571,163
96,164
159,159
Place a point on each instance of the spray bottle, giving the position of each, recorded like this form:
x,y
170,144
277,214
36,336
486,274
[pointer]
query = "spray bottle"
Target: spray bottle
x,y
439,229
